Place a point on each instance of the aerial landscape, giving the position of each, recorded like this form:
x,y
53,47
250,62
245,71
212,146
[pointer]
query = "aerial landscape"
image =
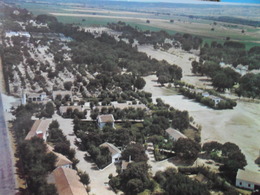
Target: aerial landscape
x,y
129,97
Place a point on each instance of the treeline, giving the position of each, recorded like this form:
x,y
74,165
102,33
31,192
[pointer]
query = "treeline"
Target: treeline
x,y
34,162
233,20
60,142
231,52
249,86
187,41
104,54
224,103
222,78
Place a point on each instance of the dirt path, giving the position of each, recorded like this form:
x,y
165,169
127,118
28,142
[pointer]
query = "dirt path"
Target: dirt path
x,y
179,57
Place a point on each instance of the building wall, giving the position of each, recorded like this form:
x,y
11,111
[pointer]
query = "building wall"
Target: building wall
x,y
116,157
245,184
102,125
67,166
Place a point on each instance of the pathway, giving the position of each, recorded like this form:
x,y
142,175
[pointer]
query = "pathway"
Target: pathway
x,y
157,165
99,178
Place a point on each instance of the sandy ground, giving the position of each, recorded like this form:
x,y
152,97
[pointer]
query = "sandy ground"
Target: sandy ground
x,y
179,57
240,125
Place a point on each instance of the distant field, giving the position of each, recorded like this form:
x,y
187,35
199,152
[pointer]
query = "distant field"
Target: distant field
x,y
182,24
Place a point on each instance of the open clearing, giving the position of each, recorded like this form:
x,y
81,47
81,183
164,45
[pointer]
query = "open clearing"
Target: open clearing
x,y
240,125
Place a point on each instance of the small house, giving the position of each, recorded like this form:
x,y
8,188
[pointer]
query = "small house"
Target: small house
x,y
174,134
248,179
104,119
215,99
114,151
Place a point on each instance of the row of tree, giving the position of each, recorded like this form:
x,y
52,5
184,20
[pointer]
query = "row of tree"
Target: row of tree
x,y
187,41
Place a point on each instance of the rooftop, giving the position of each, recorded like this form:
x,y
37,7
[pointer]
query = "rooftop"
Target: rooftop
x,y
175,133
113,149
106,118
67,182
61,159
249,176
125,106
38,126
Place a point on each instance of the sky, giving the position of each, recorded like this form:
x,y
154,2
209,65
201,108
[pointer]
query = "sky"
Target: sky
x,y
198,1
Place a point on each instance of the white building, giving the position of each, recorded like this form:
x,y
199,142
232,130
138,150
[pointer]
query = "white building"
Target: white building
x,y
115,152
248,180
104,119
215,99
34,97
17,34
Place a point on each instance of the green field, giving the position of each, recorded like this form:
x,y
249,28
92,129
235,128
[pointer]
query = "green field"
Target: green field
x,y
183,25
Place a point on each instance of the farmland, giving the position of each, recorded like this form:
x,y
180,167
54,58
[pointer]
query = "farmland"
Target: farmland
x,y
159,19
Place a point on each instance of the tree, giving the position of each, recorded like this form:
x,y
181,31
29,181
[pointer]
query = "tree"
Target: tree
x,y
67,85
176,183
49,110
134,186
187,149
221,81
195,67
37,163
163,79
84,178
180,120
136,152
211,146
54,124
139,83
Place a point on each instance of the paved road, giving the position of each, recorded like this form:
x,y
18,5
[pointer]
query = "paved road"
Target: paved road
x,y
7,180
